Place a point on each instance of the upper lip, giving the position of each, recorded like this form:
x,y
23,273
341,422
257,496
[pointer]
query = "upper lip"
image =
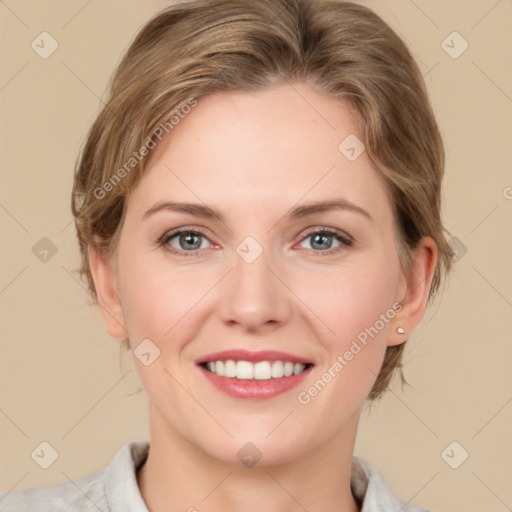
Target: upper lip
x,y
254,357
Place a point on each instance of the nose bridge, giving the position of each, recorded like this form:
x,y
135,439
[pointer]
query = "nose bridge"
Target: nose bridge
x,y
253,296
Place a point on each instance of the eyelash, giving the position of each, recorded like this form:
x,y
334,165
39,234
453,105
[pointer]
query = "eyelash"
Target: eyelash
x,y
345,240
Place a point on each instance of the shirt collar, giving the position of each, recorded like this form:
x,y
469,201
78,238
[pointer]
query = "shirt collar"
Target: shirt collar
x,y
121,488
368,486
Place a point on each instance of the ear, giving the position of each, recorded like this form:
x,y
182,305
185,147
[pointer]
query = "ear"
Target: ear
x,y
106,290
413,291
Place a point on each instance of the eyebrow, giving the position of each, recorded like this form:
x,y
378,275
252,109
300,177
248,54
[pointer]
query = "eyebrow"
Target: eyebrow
x,y
298,212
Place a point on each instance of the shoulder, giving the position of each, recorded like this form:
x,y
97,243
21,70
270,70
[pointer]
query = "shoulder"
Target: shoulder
x,y
112,488
83,494
373,492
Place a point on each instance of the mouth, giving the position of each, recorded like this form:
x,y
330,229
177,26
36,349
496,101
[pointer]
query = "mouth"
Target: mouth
x,y
254,375
263,370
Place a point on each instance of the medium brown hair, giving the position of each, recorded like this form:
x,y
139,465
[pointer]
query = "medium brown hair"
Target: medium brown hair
x,y
341,49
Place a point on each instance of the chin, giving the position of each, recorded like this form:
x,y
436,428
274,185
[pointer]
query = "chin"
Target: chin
x,y
256,453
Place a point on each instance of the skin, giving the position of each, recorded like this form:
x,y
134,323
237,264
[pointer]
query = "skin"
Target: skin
x,y
253,157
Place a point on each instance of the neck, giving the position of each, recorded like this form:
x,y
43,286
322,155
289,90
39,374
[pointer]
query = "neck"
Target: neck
x,y
178,476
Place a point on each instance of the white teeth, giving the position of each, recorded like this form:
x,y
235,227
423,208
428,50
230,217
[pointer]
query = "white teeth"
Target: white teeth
x,y
277,369
230,369
244,370
263,370
298,368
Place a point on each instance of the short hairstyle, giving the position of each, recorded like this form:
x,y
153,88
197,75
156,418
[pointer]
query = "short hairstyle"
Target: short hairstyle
x,y
198,47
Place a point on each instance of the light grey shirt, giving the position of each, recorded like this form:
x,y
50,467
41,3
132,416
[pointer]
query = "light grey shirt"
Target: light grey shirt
x,y
115,489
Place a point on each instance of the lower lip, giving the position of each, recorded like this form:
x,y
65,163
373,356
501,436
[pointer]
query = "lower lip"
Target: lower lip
x,y
254,389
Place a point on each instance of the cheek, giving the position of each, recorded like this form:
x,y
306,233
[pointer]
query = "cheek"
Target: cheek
x,y
356,304
352,299
356,307
159,301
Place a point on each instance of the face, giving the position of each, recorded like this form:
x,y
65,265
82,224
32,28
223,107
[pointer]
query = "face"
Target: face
x,y
255,271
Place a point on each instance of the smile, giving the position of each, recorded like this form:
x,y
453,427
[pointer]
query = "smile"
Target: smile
x,y
254,375
263,370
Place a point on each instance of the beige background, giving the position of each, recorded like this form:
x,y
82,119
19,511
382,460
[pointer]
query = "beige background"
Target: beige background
x,y
62,380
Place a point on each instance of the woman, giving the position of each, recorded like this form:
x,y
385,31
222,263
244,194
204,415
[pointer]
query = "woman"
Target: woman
x,y
258,212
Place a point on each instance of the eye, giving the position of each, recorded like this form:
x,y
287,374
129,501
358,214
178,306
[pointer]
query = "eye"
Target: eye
x,y
187,242
322,240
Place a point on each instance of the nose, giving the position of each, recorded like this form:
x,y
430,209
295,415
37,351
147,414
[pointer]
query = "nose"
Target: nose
x,y
255,296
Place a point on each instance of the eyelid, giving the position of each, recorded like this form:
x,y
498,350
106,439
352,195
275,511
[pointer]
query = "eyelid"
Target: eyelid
x,y
331,231
170,234
343,237
345,240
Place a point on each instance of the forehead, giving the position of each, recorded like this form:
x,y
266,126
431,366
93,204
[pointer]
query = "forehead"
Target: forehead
x,y
251,151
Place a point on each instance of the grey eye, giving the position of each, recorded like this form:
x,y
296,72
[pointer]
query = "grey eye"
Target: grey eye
x,y
187,241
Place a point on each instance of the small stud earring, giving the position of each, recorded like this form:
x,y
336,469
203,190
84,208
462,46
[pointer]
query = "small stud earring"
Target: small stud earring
x,y
400,330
